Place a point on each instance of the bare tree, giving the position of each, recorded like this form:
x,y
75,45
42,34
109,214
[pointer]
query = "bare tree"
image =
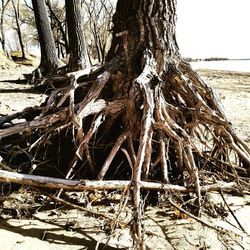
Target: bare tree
x,y
4,5
98,25
49,60
78,56
16,8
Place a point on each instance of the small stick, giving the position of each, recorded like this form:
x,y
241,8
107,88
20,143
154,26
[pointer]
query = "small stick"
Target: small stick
x,y
164,165
207,224
56,199
194,174
232,212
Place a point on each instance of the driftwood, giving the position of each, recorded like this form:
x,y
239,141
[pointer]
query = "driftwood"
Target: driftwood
x,y
82,185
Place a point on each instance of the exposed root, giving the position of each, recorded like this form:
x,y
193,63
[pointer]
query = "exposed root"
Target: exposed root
x,y
159,132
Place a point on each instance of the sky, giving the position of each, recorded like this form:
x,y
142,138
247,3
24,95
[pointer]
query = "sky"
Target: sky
x,y
214,28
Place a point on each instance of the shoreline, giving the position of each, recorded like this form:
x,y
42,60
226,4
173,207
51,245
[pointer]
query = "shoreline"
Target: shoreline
x,y
222,71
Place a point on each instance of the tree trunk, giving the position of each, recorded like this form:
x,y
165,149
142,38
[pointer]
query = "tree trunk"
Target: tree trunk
x,y
49,60
59,25
78,56
18,28
141,25
2,31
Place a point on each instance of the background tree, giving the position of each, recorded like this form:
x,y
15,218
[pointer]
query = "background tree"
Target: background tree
x,y
16,8
30,35
4,4
98,25
49,60
58,24
18,28
78,56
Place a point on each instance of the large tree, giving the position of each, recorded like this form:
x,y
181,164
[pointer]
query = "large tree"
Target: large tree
x,y
145,116
49,60
78,56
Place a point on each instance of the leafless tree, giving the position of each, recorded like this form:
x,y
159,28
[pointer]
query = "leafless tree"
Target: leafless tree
x,y
58,24
98,21
16,8
4,4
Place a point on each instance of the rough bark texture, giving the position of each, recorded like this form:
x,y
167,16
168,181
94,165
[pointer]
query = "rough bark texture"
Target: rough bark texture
x,y
78,56
140,25
49,60
60,26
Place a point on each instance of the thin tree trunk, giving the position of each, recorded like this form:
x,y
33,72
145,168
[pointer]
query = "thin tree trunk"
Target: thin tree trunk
x,y
49,59
78,57
18,28
2,31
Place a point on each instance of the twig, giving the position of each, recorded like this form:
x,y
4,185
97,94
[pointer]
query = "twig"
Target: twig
x,y
56,199
112,155
207,224
232,212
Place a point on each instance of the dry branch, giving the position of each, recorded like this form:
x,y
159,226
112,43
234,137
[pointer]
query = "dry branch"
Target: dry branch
x,y
81,185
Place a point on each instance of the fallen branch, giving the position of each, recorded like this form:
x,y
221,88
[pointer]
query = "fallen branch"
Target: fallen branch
x,y
81,185
44,122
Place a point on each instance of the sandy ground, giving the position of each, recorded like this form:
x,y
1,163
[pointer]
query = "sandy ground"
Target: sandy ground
x,y
233,89
61,227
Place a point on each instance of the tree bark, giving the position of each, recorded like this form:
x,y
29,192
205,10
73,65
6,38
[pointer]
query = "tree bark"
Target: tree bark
x,y
49,60
78,56
60,27
145,24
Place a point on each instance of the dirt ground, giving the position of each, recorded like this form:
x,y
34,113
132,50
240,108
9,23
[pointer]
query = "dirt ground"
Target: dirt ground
x,y
62,227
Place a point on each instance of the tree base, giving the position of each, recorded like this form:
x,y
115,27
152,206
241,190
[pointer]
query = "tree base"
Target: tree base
x,y
148,131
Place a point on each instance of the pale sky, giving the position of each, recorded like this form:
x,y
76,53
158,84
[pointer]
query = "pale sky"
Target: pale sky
x,y
220,28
